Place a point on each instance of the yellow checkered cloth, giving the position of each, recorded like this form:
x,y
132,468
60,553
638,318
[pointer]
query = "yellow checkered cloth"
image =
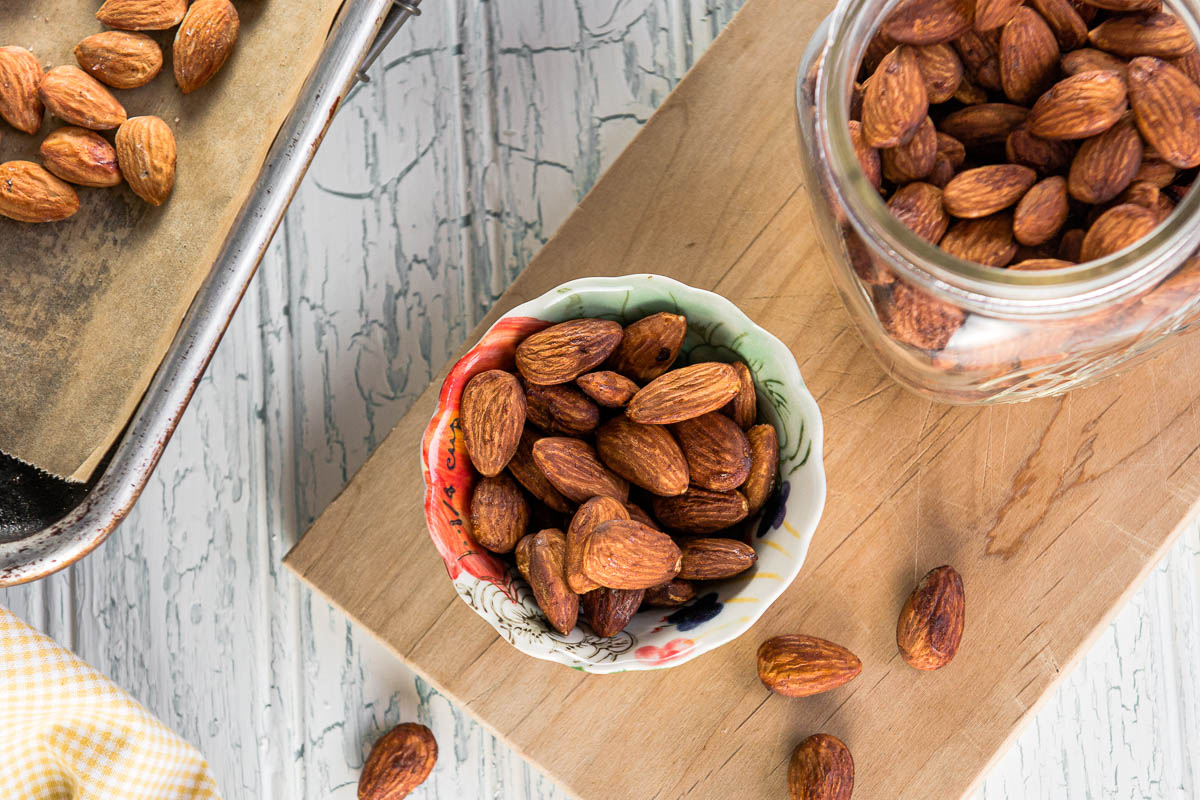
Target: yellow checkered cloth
x,y
68,733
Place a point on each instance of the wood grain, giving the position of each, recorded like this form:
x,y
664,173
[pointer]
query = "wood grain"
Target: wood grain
x,y
1031,502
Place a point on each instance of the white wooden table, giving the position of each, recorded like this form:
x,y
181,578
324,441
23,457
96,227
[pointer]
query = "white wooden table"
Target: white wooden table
x,y
483,126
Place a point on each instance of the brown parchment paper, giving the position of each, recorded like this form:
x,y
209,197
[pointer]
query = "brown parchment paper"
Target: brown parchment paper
x,y
89,306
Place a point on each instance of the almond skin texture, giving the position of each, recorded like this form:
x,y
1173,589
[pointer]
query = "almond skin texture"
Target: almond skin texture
x,y
79,99
565,351
716,449
991,14
701,511
399,762
203,42
987,241
142,15
571,467
801,666
623,554
1028,56
492,413
586,519
1105,164
1116,229
984,123
80,156
29,193
530,475
931,624
560,408
684,393
609,389
913,160
522,554
1047,156
1166,107
952,149
119,59
942,70
821,768
1090,60
895,103
547,578
714,559
1159,35
1079,106
917,318
928,21
919,206
499,513
1042,212
645,455
608,611
743,408
1069,28
670,595
983,191
20,77
764,466
650,346
146,154
868,157
980,54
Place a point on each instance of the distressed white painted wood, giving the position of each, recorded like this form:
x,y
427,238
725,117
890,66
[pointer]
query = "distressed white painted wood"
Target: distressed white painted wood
x,y
484,125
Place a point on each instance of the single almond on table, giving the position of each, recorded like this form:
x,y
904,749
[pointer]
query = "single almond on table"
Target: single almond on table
x,y
701,511
716,449
1106,163
1166,107
1069,28
991,14
931,624
1160,35
492,412
650,346
80,156
1079,106
868,157
572,467
560,408
79,99
28,193
623,554
1088,59
119,59
988,241
547,557
919,206
764,465
684,393
142,15
1116,229
913,160
204,42
942,70
715,558
607,388
928,21
499,513
645,455
984,123
565,351
801,666
1042,212
585,521
20,77
983,191
398,763
1028,56
670,595
608,611
821,768
146,154
895,103
530,475
743,408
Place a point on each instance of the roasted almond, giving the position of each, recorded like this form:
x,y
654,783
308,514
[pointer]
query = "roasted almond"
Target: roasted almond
x,y
931,623
608,611
492,412
547,578
1147,195
1116,229
980,54
952,149
1166,107
895,103
1070,246
623,554
1047,156
928,21
1106,163
714,559
983,191
585,521
1087,59
942,70
917,318
987,241
1042,212
868,157
499,513
204,41
801,666
29,193
80,156
684,393
146,154
821,768
1079,106
716,449
914,160
530,475
670,595
991,14
1189,65
609,389
1069,28
1159,35
521,553
398,763
984,123
565,351
743,408
969,94
701,511
560,408
20,77
645,455
942,172
142,15
1028,56
764,465
1156,171
650,346
79,99
571,467
119,59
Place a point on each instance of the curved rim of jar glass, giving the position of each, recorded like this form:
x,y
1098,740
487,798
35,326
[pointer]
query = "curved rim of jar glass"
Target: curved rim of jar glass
x,y
850,28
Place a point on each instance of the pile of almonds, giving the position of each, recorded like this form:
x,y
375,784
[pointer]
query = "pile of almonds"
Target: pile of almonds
x,y
592,409
143,151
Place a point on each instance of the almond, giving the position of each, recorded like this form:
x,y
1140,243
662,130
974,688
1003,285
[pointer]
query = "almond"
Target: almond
x,y
650,346
1156,171
914,160
1116,229
1047,156
984,123
530,475
942,70
398,763
917,318
715,559
638,513
623,554
1028,56
764,466
895,103
991,14
499,513
868,157
969,94
1166,107
610,610
701,511
1106,163
146,154
980,54
952,149
801,666
585,521
29,193
880,45
1042,212
1069,28
492,412
1079,106
870,269
743,408
1159,35
942,172
20,77
560,408
522,553
931,624
983,191
142,15
607,388
716,449
684,393
80,156
987,241
571,467
919,206
1087,59
1147,195
565,351
1070,246
119,59
79,99
670,595
204,42
821,768
645,455
928,21
547,557
1189,65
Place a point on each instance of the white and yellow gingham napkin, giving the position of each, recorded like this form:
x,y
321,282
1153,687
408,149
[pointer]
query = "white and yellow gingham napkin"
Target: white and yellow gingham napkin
x,y
69,733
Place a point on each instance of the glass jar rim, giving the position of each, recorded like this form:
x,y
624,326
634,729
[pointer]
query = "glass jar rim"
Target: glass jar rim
x,y
850,28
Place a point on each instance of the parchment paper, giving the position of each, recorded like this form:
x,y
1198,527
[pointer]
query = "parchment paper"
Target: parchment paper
x,y
89,306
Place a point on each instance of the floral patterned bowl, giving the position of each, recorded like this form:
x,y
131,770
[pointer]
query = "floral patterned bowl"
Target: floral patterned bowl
x,y
656,638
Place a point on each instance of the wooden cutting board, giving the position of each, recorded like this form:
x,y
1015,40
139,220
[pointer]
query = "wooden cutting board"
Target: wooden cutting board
x,y
1053,511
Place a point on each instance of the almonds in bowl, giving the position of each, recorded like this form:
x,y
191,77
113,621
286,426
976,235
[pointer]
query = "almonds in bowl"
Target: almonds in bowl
x,y
623,473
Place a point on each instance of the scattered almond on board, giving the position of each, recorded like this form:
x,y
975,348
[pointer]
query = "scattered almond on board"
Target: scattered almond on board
x,y
143,149
398,763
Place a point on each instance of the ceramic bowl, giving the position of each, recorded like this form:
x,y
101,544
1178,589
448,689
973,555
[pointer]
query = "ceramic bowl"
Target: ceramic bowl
x,y
656,638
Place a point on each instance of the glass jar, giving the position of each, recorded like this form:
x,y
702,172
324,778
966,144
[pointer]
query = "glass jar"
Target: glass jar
x,y
961,332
